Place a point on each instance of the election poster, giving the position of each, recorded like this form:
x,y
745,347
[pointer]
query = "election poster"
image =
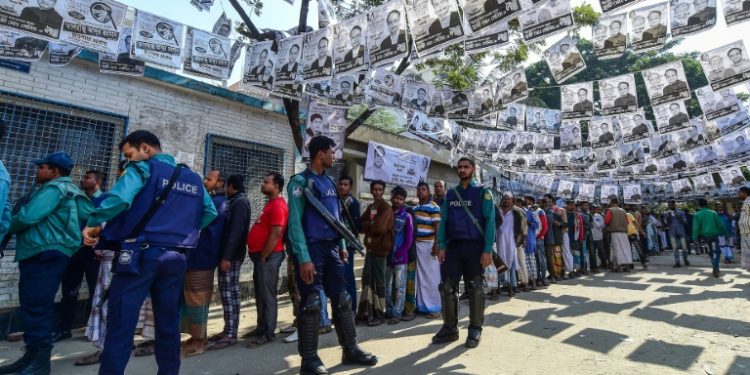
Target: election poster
x,y
323,119
223,25
682,186
512,117
554,120
61,54
349,43
488,39
618,95
666,83
716,104
691,16
387,40
730,124
434,24
209,54
570,135
631,194
635,127
527,143
662,145
609,36
481,15
317,55
611,5
259,64
93,24
158,40
732,177
435,130
736,11
41,19
565,189
704,183
546,19
586,192
342,91
692,137
609,192
544,143
19,46
726,66
456,104
736,146
511,87
577,100
384,88
712,130
122,63
631,154
319,89
601,132
288,90
706,156
607,158
650,166
564,59
648,27
536,119
288,59
418,96
671,117
481,102
395,166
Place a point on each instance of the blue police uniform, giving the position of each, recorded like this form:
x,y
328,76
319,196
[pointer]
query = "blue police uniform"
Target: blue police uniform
x,y
171,232
207,254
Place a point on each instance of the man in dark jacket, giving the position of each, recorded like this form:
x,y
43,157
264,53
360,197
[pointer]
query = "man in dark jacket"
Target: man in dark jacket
x,y
233,249
354,208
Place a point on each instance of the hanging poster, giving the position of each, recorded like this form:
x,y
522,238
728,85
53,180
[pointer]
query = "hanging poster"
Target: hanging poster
x,y
610,5
18,46
662,145
342,91
726,66
435,130
666,83
512,117
712,130
384,88
705,156
570,135
631,194
209,54
481,102
386,33
682,186
456,104
288,67
536,119
586,192
511,87
288,90
601,132
317,52
434,24
692,137
691,16
92,24
732,176
618,95
395,166
609,36
331,122
122,63
418,96
634,127
526,143
61,54
671,117
564,59
715,104
481,15
609,192
544,143
319,89
489,39
730,124
565,189
606,158
158,40
546,19
223,25
736,146
704,183
736,11
259,64
650,166
577,100
631,154
648,27
41,19
349,41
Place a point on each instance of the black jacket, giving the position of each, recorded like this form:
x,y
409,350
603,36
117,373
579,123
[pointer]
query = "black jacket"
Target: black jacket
x,y
236,227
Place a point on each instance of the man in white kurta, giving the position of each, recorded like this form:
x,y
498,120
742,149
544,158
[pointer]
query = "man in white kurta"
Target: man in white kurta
x,y
506,242
744,227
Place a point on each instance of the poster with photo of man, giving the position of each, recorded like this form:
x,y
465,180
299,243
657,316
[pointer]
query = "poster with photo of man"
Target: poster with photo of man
x,y
705,156
666,83
564,59
512,117
434,130
288,66
121,62
726,66
536,119
527,143
691,16
537,163
488,39
317,55
288,90
383,88
647,27
456,104
417,95
716,104
631,154
511,87
732,177
609,192
481,102
387,39
577,100
682,186
662,145
342,91
570,135
635,127
609,36
730,124
601,132
650,166
607,158
210,55
544,143
158,40
19,46
586,192
671,117
350,44
259,60
93,24
565,189
480,15
675,163
560,161
395,166
704,183
736,11
546,19
510,143
554,120
692,137
736,146
434,24
323,119
319,89
618,95
631,194
39,18
584,156
712,130
61,54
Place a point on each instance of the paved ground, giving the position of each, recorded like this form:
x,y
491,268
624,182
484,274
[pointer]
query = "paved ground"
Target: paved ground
x,y
660,321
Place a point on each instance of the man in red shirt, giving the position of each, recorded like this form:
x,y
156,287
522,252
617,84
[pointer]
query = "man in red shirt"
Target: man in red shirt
x,y
265,243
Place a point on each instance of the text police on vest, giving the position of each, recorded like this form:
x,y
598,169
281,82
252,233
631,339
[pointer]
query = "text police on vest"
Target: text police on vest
x,y
181,186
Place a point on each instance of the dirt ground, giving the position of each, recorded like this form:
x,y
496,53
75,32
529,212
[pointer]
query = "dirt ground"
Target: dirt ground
x,y
659,321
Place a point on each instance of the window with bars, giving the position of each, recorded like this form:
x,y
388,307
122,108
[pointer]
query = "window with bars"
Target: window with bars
x,y
250,159
38,127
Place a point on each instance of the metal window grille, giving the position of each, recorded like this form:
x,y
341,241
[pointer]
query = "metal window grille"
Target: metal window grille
x,y
250,159
37,127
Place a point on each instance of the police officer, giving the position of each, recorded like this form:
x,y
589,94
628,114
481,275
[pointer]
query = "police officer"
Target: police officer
x,y
465,241
318,252
157,264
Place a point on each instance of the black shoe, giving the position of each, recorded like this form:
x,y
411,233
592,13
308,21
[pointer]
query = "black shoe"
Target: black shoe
x,y
445,335
20,363
40,365
312,366
716,273
676,265
61,335
358,357
475,334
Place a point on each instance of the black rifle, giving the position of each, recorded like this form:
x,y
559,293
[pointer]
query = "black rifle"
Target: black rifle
x,y
338,226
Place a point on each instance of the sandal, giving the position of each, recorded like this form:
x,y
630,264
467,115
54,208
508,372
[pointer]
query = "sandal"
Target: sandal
x,y
217,337
191,351
259,341
224,342
89,359
408,317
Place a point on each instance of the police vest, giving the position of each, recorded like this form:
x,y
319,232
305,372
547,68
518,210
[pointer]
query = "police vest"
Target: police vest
x,y
177,223
207,253
316,228
460,225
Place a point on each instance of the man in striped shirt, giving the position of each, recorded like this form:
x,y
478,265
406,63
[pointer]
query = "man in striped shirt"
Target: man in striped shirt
x,y
744,227
427,215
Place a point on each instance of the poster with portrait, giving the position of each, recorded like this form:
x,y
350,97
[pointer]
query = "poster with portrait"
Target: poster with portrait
x,y
512,117
650,166
417,95
610,5
122,63
15,45
481,102
736,11
735,146
607,158
715,104
350,44
712,130
527,143
618,95
609,36
732,177
61,54
554,120
705,156
675,163
259,63
435,130
647,27
586,192
671,117
223,25
288,90
565,189
601,132
704,183
693,137
488,39
158,40
342,91
536,119
635,127
93,24
537,163
608,192
546,19
288,59
317,55
323,119
434,24
577,100
666,83
319,89
41,19
570,135
584,156
511,87
691,16
210,55
682,186
631,194
662,145
456,104
395,166
564,59
481,15
730,124
631,154
544,143
726,66
383,88
387,39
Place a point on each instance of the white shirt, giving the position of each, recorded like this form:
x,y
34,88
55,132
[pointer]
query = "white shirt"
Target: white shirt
x,y
596,231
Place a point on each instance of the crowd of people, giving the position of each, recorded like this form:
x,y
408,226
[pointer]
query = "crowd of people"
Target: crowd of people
x,y
150,248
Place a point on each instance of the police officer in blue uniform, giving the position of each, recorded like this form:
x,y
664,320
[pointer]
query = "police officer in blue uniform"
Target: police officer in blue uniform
x,y
466,237
157,262
318,251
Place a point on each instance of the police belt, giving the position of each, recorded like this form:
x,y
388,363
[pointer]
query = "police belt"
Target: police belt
x,y
146,245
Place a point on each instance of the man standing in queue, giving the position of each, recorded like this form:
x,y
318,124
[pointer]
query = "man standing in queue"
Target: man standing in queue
x,y
157,262
465,240
318,252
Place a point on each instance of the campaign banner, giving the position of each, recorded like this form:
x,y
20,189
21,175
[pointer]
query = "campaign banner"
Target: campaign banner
x,y
122,63
735,11
41,19
323,119
209,54
511,87
609,36
387,40
666,83
716,104
395,166
602,132
564,59
158,40
223,25
726,66
536,120
635,127
488,39
342,91
647,27
383,88
577,100
546,19
317,55
61,54
349,45
690,16
618,95
93,24
480,15
15,45
434,24
570,135
671,117
288,59
259,65
631,194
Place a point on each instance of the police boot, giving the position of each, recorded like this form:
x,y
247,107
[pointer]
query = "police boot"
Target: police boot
x,y
476,312
449,299
40,365
308,329
343,321
21,363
